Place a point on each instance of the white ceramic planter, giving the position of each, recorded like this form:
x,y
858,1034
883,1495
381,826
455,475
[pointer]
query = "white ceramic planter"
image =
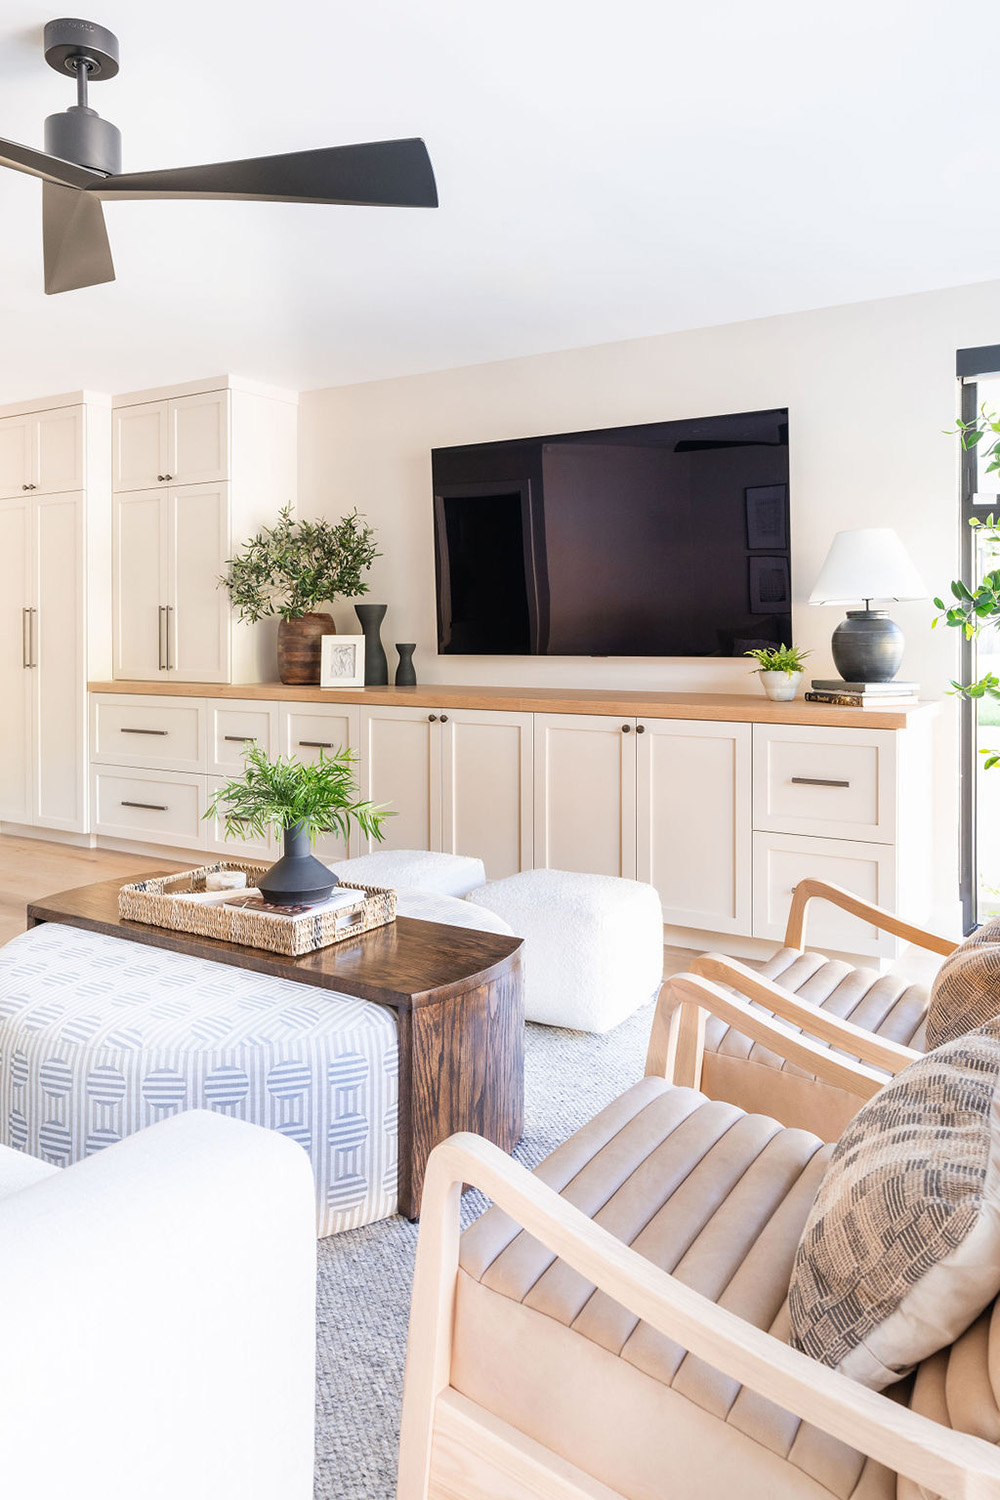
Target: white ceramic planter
x,y
779,685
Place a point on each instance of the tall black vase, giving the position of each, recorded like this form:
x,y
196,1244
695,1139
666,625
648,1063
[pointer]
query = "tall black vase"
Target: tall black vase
x,y
298,877
376,666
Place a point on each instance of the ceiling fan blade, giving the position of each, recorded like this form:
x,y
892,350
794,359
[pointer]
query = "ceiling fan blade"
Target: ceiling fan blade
x,y
49,168
391,173
77,252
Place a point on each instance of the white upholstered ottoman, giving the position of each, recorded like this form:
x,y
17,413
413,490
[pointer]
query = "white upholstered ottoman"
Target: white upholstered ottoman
x,y
593,944
100,1037
418,869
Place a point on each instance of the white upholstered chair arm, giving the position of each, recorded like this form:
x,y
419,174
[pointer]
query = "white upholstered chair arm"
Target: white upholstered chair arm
x,y
950,1464
811,889
158,1324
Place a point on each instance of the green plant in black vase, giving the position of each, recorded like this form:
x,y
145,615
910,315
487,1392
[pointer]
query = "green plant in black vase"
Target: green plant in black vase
x,y
298,800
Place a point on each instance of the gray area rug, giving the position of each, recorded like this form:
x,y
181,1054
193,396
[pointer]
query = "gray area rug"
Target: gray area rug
x,y
363,1292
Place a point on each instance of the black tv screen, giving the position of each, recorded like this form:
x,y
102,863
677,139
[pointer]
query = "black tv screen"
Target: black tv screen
x,y
665,539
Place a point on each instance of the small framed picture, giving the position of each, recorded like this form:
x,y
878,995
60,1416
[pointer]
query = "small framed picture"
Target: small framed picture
x,y
767,511
342,664
769,585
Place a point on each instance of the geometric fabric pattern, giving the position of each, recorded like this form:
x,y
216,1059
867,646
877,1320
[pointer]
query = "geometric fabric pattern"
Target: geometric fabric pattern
x,y
101,1037
901,1250
965,992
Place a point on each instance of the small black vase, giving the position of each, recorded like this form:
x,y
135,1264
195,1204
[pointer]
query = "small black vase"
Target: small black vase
x,y
298,878
405,673
376,666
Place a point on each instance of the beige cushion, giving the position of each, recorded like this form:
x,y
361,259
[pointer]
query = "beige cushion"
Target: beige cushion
x,y
759,1081
718,1198
966,991
902,1248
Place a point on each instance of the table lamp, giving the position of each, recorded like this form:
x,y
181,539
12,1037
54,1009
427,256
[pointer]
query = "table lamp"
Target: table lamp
x,y
868,564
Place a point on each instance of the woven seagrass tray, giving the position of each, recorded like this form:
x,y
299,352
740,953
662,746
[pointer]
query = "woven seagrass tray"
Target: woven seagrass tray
x,y
155,903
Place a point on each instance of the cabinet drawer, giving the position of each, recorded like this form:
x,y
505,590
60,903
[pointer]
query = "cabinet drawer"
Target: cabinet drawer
x,y
834,783
264,849
234,726
307,735
154,807
782,860
163,735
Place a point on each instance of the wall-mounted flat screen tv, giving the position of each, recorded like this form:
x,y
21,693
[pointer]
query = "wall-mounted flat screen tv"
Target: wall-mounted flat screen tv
x,y
665,539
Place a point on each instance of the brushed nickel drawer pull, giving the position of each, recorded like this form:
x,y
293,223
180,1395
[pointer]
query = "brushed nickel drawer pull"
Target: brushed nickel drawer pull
x,y
26,637
241,739
316,744
149,806
144,731
162,619
816,781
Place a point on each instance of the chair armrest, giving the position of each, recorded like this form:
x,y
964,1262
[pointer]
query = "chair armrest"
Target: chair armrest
x,y
878,1051
811,889
685,1039
159,1320
951,1464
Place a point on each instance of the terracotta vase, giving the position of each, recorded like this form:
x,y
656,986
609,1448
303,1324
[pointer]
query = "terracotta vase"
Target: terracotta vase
x,y
299,649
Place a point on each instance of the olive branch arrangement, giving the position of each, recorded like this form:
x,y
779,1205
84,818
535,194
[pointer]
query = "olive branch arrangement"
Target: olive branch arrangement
x,y
291,567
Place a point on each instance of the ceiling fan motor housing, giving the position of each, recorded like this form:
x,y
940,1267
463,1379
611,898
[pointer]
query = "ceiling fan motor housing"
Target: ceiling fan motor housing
x,y
88,53
79,134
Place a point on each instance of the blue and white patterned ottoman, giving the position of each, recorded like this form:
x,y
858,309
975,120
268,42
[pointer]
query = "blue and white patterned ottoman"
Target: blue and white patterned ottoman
x,y
99,1038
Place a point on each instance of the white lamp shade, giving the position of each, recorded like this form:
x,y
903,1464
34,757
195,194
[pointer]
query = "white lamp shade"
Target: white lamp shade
x,y
867,564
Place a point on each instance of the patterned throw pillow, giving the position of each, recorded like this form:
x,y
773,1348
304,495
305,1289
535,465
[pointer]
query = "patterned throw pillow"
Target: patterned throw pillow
x,y
966,992
901,1251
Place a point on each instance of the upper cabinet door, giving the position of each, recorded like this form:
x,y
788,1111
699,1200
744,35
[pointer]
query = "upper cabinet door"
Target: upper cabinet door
x,y
140,596
141,446
198,614
16,648
199,438
58,448
18,436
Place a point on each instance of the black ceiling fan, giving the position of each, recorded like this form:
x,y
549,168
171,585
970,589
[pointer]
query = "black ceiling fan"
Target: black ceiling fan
x,y
81,165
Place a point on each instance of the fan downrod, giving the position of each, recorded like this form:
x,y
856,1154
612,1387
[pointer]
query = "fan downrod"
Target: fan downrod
x,y
88,53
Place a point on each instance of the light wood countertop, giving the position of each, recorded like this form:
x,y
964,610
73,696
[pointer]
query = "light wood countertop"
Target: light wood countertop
x,y
747,708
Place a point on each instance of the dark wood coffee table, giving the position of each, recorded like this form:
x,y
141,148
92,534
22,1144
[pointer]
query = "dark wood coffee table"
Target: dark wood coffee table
x,y
458,997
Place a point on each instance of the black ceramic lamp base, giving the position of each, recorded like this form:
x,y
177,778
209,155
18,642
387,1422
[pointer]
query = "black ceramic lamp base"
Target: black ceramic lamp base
x,y
298,878
867,646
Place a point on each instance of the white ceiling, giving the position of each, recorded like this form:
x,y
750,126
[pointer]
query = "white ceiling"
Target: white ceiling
x,y
605,171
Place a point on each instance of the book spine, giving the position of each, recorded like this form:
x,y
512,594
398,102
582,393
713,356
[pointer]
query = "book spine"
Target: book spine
x,y
858,700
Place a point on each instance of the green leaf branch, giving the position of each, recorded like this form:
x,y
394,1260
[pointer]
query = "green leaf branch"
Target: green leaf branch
x,y
290,568
787,659
319,797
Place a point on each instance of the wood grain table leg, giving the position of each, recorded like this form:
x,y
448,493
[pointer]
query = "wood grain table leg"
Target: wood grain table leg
x,y
461,1067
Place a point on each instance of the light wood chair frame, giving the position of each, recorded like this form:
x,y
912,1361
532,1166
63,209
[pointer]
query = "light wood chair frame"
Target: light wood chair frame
x,y
453,1449
686,1050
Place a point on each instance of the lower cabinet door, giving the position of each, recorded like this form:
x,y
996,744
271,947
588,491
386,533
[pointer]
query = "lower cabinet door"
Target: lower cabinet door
x,y
152,807
486,799
585,793
308,732
693,788
401,769
869,870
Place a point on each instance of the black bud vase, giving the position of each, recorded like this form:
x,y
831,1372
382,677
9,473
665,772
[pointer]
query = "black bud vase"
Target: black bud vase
x,y
298,878
405,674
376,666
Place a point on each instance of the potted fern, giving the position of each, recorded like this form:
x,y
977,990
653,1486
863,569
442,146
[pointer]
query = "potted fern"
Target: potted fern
x,y
780,670
289,570
298,801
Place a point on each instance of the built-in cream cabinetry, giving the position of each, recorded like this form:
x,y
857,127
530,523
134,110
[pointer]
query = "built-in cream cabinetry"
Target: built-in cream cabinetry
x,y
722,816
196,472
55,575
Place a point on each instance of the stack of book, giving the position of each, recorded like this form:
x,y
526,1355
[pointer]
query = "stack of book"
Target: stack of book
x,y
862,694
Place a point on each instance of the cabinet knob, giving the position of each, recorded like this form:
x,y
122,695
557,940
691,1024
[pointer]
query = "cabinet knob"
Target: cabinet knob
x,y
626,728
26,486
640,729
444,718
168,476
432,718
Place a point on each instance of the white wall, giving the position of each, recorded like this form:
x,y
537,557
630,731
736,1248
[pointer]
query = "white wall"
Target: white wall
x,y
870,390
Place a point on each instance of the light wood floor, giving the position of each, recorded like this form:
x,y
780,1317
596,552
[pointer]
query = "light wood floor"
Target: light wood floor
x,y
31,868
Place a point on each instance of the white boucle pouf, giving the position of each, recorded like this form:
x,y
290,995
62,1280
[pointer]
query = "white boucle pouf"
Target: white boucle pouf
x,y
593,944
420,869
